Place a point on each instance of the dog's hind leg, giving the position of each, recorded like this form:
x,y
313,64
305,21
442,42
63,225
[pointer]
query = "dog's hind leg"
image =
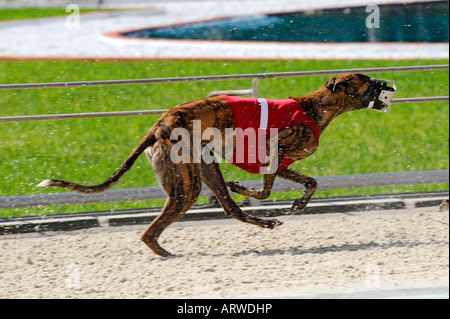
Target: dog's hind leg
x,y
213,178
182,184
309,183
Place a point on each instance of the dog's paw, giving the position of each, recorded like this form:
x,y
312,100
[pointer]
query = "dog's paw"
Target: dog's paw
x,y
272,223
298,207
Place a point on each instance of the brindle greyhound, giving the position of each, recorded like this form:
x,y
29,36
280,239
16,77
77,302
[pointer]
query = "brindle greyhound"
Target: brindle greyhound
x,y
183,181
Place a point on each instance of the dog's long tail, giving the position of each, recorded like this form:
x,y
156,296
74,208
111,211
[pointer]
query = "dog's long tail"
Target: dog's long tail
x,y
146,142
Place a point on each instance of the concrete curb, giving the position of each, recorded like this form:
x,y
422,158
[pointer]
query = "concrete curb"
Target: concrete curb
x,y
79,221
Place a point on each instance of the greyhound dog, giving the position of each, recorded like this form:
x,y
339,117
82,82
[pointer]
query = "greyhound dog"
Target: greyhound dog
x,y
296,125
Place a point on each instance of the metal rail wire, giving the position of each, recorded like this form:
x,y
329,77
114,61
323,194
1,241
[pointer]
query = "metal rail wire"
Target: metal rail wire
x,y
159,112
78,115
219,77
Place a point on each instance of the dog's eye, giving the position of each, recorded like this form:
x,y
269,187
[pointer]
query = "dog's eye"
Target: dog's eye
x,y
343,84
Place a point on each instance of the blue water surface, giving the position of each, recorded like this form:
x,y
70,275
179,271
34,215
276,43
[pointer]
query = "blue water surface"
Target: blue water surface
x,y
418,22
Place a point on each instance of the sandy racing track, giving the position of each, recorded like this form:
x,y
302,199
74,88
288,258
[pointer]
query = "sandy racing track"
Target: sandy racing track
x,y
228,259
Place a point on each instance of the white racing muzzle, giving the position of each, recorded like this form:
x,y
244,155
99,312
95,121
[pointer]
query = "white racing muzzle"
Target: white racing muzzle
x,y
379,97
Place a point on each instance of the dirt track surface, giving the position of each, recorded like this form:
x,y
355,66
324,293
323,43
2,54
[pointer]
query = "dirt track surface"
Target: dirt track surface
x,y
228,259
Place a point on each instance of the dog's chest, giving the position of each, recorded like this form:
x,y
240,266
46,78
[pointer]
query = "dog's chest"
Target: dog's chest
x,y
255,117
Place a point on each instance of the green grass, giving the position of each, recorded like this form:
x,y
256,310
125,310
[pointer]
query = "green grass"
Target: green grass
x,y
412,137
31,13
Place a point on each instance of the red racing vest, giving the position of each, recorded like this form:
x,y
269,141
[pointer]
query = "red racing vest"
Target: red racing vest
x,y
253,115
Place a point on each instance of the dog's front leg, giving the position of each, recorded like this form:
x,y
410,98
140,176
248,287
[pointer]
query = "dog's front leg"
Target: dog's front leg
x,y
269,173
309,183
264,193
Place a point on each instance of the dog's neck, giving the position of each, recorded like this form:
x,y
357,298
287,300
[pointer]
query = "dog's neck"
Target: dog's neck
x,y
325,111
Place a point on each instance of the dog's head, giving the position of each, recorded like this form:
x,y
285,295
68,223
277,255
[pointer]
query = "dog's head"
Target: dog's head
x,y
360,91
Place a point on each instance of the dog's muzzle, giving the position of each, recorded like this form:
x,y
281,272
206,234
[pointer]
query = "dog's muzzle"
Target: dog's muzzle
x,y
379,97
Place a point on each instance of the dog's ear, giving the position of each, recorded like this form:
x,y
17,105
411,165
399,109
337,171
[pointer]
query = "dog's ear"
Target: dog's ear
x,y
331,84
